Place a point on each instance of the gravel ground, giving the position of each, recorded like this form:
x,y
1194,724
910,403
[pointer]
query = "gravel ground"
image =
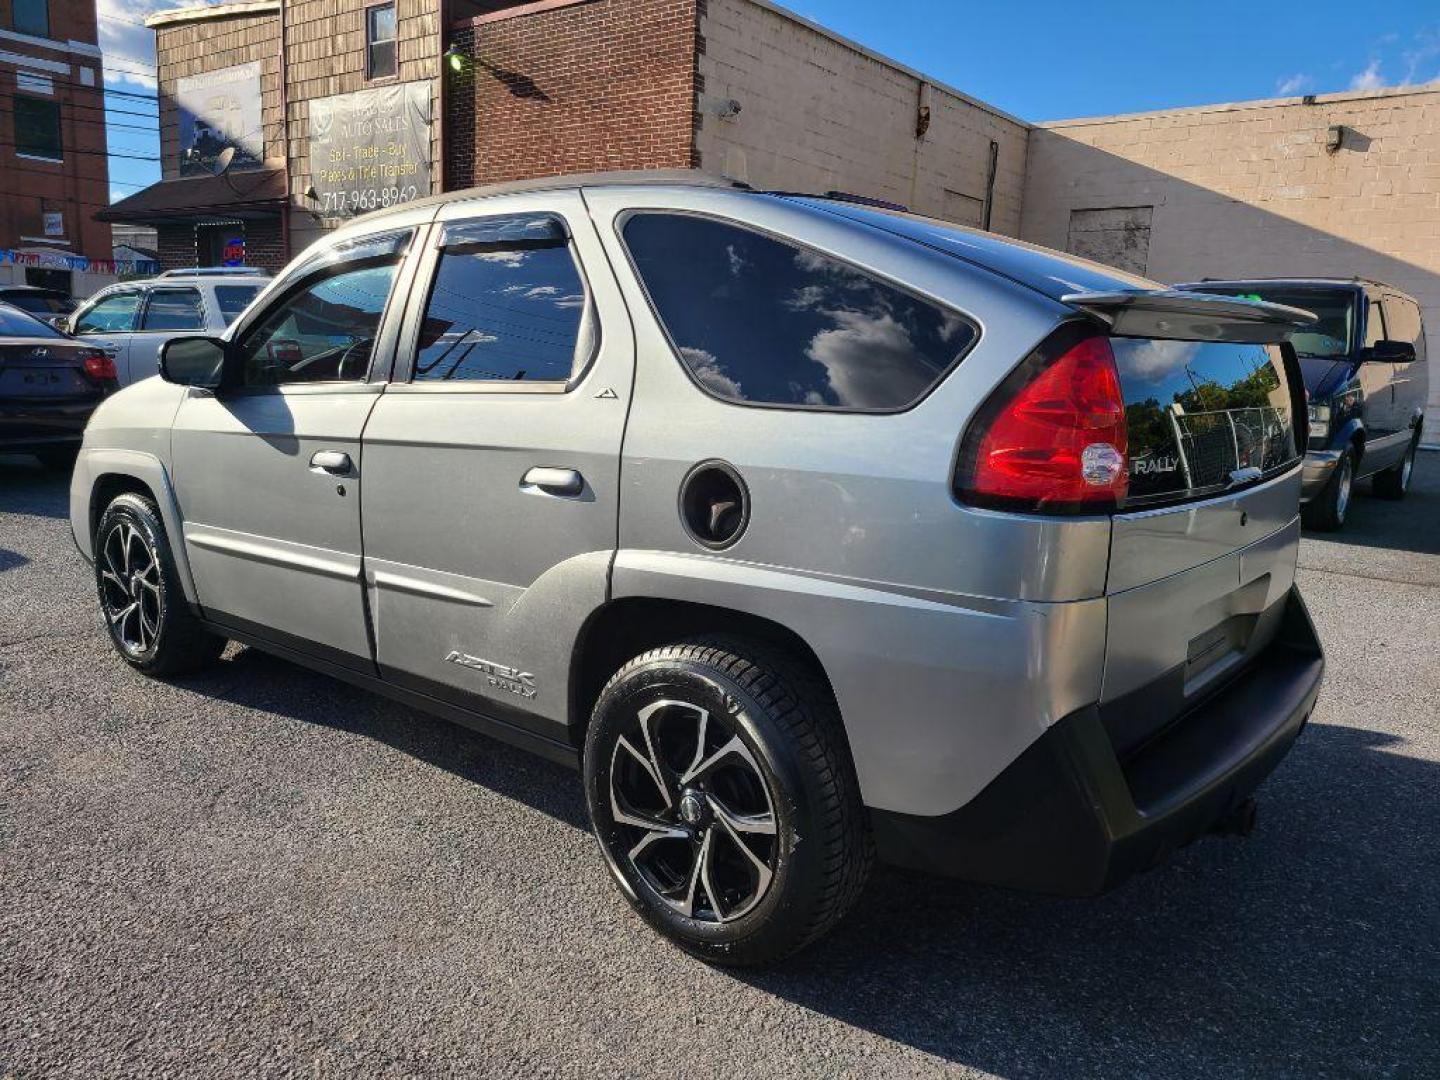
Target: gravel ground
x,y
262,871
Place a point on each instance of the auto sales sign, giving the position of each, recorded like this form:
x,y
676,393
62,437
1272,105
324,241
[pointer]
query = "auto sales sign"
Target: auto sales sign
x,y
371,148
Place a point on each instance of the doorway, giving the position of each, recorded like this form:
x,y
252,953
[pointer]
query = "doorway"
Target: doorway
x,y
220,244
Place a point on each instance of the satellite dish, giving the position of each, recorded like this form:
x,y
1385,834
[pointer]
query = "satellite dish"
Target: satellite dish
x,y
223,160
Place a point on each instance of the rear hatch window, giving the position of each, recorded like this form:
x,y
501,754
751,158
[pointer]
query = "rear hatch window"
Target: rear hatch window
x,y
1202,417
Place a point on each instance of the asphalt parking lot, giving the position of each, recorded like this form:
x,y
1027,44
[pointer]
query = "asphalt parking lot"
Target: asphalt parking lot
x,y
262,871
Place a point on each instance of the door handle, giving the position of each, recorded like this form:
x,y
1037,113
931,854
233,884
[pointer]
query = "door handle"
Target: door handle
x,y
553,481
330,461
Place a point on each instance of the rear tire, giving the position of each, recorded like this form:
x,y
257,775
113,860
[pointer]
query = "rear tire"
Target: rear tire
x,y
150,624
1394,482
721,790
1326,512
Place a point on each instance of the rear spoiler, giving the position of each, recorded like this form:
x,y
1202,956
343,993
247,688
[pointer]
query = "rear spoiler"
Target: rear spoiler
x,y
1177,315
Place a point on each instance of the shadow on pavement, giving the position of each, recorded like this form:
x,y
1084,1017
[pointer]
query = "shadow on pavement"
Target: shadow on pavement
x,y
257,680
1292,953
28,488
1285,953
1412,524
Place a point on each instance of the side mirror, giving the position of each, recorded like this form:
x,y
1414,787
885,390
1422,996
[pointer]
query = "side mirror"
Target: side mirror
x,y
59,322
1391,352
194,361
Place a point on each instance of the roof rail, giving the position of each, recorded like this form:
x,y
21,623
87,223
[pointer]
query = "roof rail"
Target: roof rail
x,y
216,271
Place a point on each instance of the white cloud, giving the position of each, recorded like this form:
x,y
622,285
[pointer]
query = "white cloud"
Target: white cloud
x,y
1424,49
1294,84
705,366
1369,79
867,358
129,48
129,45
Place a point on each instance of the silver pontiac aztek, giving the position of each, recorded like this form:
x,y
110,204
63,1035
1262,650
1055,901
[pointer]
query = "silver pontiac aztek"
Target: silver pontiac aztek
x,y
809,531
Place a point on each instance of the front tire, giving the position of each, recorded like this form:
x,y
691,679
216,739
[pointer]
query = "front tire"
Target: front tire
x,y
150,624
1327,511
1394,482
722,793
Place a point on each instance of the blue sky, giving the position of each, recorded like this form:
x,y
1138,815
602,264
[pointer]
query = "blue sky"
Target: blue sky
x,y
1037,59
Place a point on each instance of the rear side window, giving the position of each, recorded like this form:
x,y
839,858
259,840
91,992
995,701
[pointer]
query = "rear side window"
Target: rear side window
x,y
759,320
1202,417
174,309
233,299
508,304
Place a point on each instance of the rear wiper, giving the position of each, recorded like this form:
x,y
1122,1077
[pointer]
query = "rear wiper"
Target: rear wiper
x,y
1247,475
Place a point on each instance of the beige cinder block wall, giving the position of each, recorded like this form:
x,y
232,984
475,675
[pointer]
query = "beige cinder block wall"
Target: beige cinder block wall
x,y
1250,189
820,113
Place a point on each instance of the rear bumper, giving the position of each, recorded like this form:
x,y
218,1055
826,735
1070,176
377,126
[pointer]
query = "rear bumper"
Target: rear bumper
x,y
25,426
1070,817
1319,467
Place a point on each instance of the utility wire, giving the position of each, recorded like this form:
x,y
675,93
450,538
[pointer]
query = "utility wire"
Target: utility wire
x,y
91,153
110,125
59,176
119,19
126,56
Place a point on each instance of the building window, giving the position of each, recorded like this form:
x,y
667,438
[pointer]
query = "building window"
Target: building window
x,y
31,17
380,41
37,128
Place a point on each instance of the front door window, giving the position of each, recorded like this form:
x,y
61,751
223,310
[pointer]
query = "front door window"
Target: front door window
x,y
324,330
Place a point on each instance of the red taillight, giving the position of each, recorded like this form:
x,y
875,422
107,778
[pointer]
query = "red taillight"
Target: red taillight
x,y
100,367
1053,438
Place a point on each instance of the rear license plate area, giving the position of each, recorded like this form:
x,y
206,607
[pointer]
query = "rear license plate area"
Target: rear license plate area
x,y
1217,647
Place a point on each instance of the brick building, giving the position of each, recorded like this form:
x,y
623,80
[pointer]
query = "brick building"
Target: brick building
x,y
384,100
1339,184
513,90
53,164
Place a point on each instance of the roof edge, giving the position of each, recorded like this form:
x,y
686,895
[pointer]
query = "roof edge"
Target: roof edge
x,y
204,12
889,61
1335,98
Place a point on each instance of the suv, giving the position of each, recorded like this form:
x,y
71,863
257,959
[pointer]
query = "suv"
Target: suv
x,y
807,531
129,322
1365,371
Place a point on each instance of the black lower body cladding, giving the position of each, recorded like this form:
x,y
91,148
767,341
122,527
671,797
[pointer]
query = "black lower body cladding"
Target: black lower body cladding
x,y
1072,818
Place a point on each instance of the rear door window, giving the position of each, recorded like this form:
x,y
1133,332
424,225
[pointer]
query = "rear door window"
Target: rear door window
x,y
507,305
759,320
173,309
1203,417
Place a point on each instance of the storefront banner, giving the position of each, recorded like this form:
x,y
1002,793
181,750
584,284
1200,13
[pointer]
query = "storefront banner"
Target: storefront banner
x,y
218,110
56,260
371,148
